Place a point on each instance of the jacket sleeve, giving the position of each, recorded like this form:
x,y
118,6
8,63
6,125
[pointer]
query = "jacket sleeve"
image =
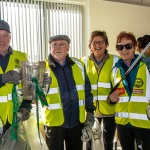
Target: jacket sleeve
x,y
26,104
147,61
89,106
1,83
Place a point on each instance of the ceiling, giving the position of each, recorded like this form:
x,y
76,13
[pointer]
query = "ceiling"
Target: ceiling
x,y
135,2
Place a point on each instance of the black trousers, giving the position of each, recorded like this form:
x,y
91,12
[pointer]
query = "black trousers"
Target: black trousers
x,y
128,136
109,128
56,136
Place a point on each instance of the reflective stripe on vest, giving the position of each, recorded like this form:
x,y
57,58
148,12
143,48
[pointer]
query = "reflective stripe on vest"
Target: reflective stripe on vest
x,y
131,115
94,87
100,84
53,91
9,96
100,98
114,74
80,66
58,106
104,85
4,99
79,87
141,99
81,102
115,59
54,106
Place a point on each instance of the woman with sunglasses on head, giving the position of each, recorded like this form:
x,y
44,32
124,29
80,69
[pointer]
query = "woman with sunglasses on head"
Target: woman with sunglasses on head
x,y
132,96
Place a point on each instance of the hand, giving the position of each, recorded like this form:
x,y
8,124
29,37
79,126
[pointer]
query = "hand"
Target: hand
x,y
11,77
114,97
89,119
25,114
86,134
47,79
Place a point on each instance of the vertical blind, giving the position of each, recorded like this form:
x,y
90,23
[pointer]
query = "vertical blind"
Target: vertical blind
x,y
33,22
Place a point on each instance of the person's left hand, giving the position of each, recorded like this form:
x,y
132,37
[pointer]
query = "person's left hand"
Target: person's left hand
x,y
25,114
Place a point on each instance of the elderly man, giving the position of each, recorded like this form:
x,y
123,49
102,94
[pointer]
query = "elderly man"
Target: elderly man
x,y
9,60
68,98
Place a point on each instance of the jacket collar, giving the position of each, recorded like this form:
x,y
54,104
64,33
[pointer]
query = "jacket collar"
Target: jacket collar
x,y
54,64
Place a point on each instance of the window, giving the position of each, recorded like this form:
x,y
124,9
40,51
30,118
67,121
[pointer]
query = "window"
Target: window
x,y
33,22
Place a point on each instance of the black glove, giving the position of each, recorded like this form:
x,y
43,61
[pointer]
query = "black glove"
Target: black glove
x,y
47,79
25,114
11,77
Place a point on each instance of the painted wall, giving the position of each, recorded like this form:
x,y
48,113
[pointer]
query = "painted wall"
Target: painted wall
x,y
114,17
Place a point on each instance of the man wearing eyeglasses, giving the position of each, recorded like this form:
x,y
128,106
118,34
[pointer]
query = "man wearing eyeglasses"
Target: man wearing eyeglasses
x,y
9,60
132,96
68,97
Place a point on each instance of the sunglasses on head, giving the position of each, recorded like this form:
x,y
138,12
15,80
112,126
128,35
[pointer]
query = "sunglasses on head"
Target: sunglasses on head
x,y
121,47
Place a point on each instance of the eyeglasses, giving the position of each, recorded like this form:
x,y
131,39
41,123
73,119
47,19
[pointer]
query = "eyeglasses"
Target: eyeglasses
x,y
99,43
4,36
121,47
54,45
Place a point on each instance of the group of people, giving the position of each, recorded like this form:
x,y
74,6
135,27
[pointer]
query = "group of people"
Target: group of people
x,y
84,89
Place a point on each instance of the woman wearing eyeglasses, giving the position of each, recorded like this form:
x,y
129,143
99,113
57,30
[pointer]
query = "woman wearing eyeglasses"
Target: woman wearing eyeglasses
x,y
132,96
99,66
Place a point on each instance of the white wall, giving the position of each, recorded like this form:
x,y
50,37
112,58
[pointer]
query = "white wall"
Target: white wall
x,y
114,17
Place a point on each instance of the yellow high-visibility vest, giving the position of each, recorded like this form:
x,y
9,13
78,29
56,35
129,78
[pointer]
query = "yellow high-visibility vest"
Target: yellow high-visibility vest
x,y
53,114
133,109
100,83
6,104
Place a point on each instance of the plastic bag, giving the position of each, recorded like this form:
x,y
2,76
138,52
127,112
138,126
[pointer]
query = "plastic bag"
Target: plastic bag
x,y
97,142
28,138
32,134
21,144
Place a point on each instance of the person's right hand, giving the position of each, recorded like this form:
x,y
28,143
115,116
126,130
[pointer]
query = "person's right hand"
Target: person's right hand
x,y
89,119
47,79
11,77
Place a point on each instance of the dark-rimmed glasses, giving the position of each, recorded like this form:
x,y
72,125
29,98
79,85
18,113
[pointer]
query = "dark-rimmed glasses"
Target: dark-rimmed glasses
x,y
98,42
121,47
